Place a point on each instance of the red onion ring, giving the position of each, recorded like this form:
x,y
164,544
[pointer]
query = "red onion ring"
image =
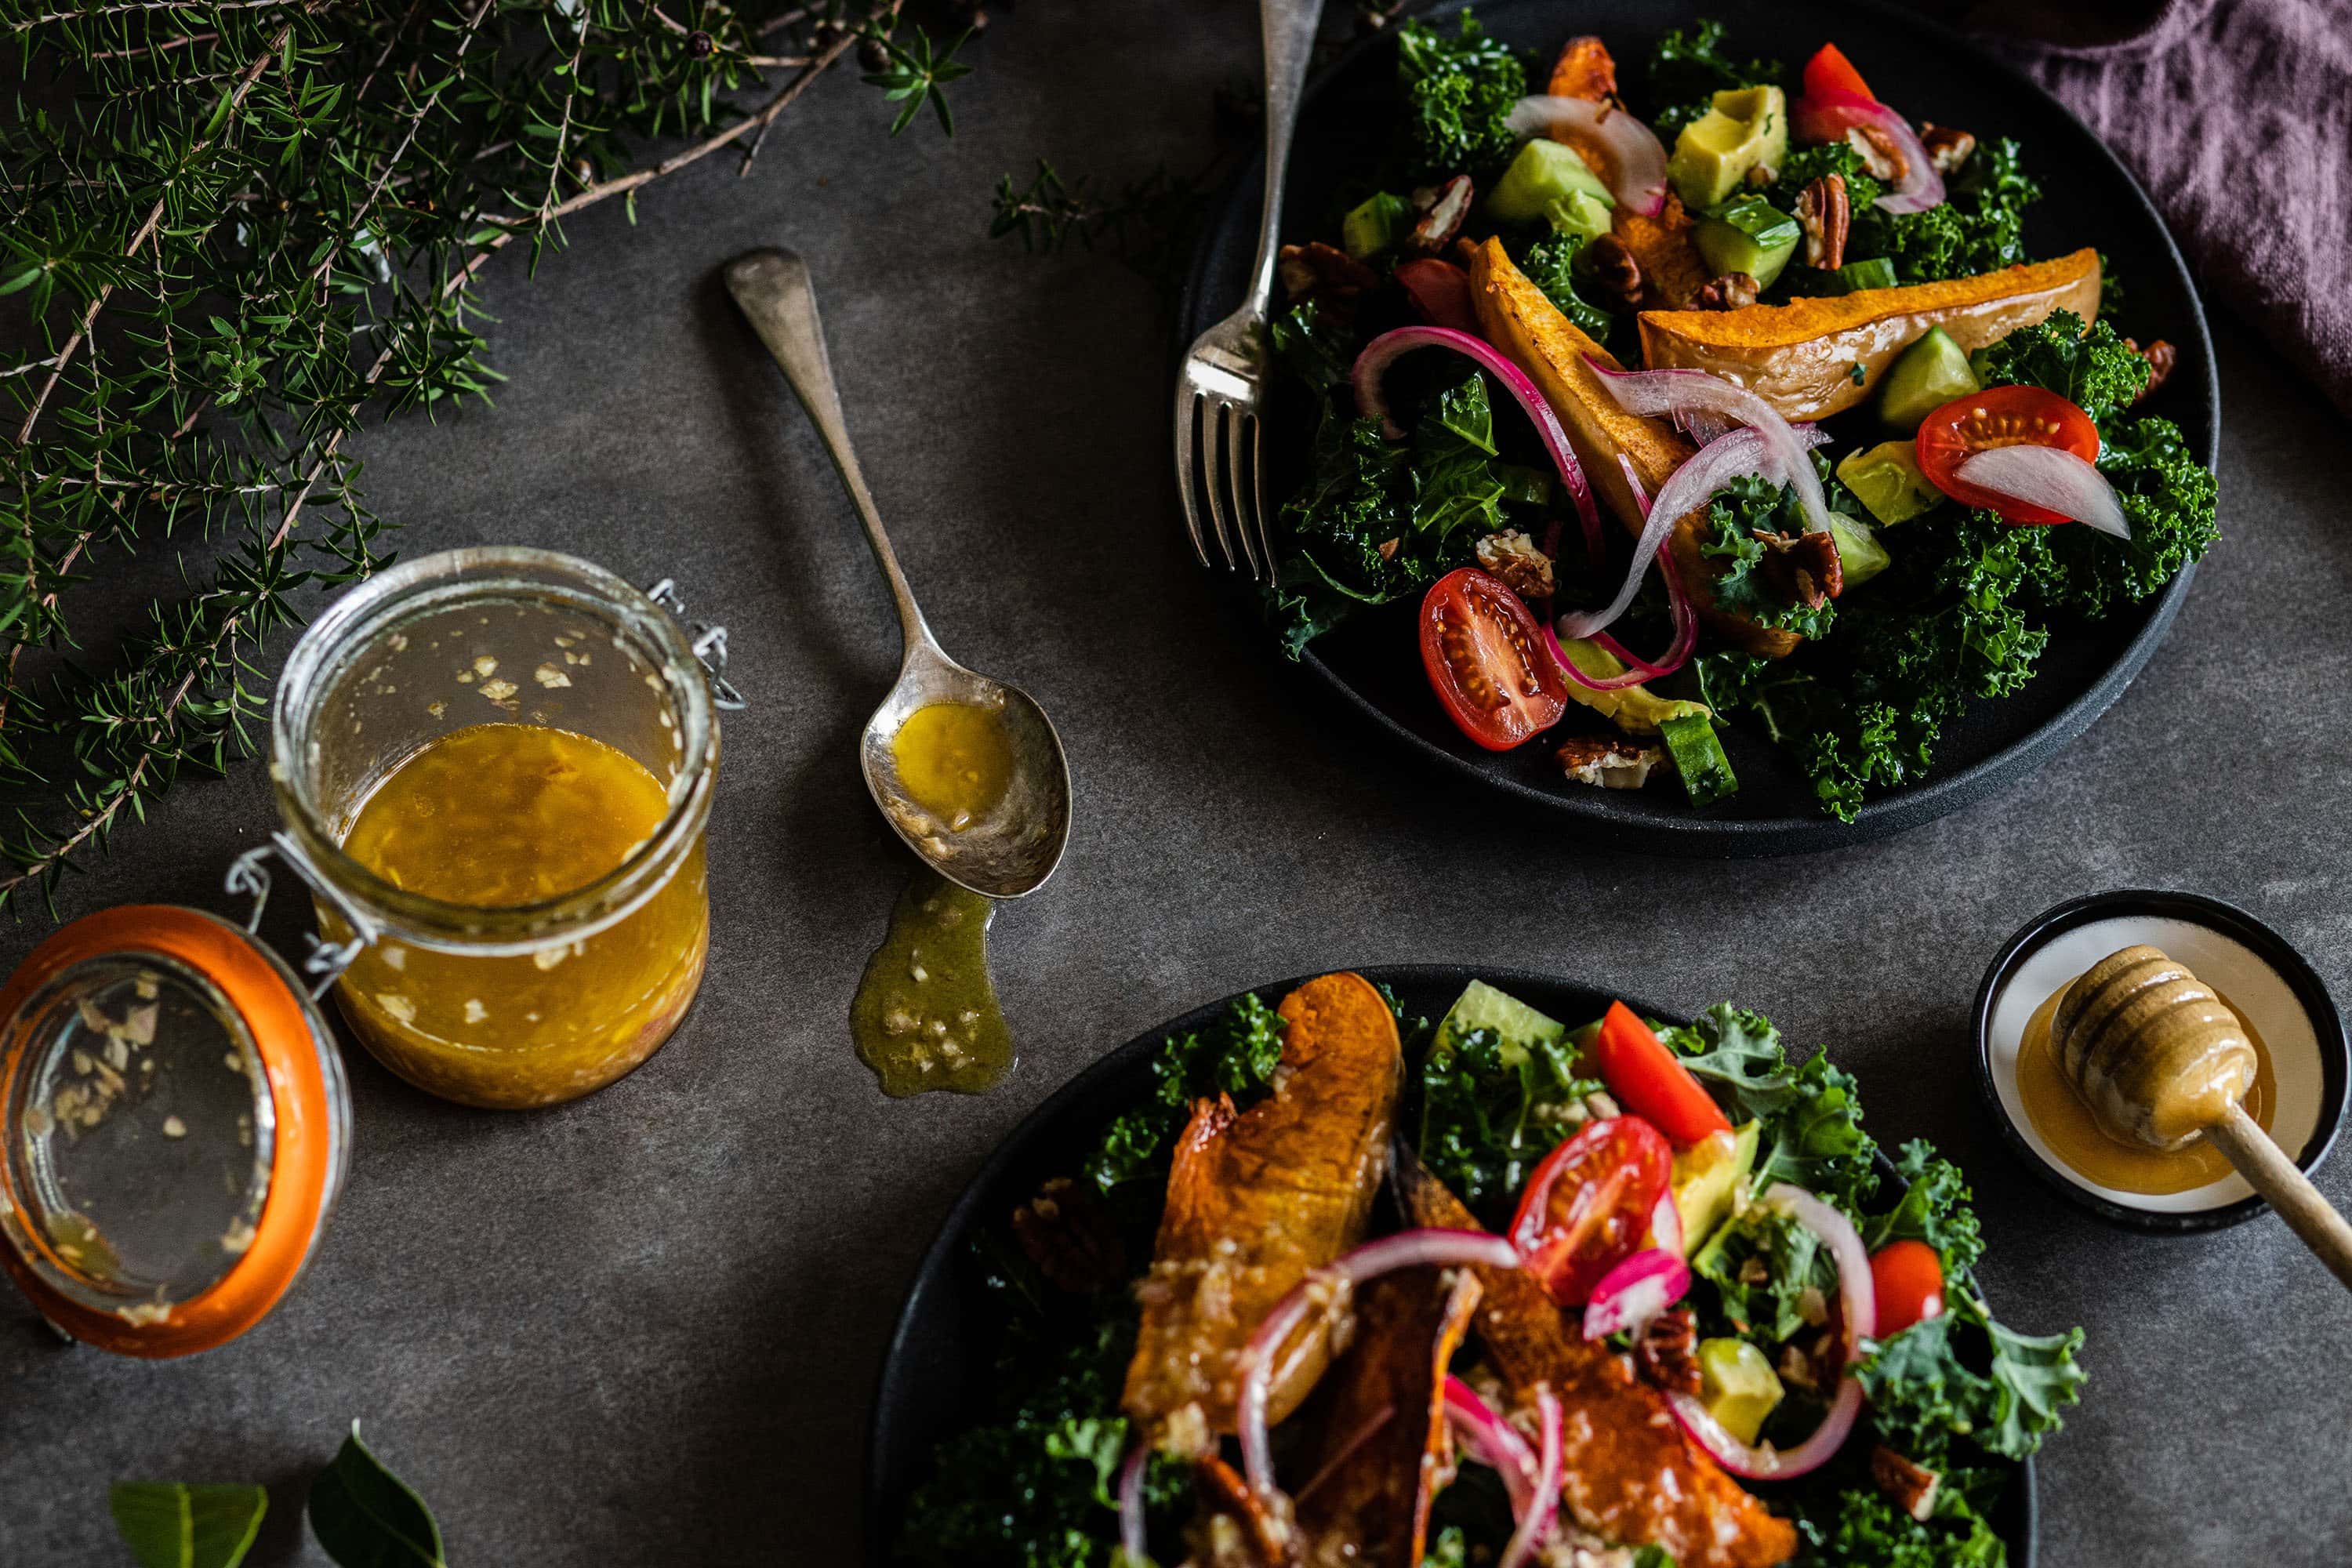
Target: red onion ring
x,y
1636,1290
1677,392
1331,1285
1131,1506
1637,158
1386,349
1537,1521
2050,477
1679,605
1666,1224
1494,1442
1858,1307
1827,117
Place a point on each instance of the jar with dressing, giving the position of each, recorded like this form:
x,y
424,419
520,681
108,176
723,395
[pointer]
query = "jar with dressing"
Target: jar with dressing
x,y
494,767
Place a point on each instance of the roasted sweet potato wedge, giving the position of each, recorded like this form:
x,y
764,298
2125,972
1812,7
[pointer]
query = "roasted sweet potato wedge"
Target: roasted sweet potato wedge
x,y
1383,1452
1665,246
1517,319
1256,1199
1627,1471
1800,357
1585,69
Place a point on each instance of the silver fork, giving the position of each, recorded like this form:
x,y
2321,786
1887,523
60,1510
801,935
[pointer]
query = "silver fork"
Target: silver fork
x,y
1220,391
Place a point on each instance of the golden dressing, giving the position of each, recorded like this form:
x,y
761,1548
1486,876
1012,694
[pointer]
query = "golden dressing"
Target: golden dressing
x,y
497,816
2067,1126
954,761
924,1016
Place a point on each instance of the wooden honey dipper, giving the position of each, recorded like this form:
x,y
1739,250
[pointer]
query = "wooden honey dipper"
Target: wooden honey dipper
x,y
2160,1060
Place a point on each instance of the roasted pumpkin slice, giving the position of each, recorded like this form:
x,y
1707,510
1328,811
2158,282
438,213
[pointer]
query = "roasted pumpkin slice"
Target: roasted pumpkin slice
x,y
1664,245
1813,358
1255,1200
1517,319
1627,1472
1382,1452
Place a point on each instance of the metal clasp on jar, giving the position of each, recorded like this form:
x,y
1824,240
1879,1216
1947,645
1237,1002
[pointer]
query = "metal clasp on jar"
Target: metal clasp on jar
x,y
710,644
326,960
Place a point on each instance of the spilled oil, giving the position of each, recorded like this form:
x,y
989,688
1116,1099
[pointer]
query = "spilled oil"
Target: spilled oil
x,y
925,1017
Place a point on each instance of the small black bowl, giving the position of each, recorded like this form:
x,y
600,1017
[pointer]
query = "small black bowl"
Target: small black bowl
x,y
2281,983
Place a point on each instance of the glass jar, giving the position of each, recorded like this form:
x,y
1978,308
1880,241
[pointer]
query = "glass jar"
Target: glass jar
x,y
509,1001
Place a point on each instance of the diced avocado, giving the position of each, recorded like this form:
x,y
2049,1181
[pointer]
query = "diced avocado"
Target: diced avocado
x,y
1707,1179
1886,479
1698,757
1517,1026
1580,214
1545,172
1636,709
1374,226
1860,556
1748,234
1931,372
1737,1386
1746,128
1877,272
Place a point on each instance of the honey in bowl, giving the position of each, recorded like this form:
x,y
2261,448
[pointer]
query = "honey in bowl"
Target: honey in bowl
x,y
954,761
503,816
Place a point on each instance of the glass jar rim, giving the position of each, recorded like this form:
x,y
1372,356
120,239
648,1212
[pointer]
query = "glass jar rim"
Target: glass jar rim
x,y
439,582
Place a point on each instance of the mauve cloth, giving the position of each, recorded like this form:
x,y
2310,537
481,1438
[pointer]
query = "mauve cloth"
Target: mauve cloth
x,y
2237,116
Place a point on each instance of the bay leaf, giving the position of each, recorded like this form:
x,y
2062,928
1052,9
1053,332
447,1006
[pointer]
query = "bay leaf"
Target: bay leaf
x,y
366,1517
170,1524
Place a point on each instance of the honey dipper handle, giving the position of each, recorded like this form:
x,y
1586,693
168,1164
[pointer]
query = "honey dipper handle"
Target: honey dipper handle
x,y
2290,1192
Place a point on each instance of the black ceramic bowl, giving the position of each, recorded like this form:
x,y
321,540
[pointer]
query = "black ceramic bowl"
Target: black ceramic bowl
x,y
2255,968
927,1375
1373,665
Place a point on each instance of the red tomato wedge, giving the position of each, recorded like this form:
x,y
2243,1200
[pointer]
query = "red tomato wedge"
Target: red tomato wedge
x,y
1486,661
2001,417
1829,75
1907,1277
1586,1207
1642,1072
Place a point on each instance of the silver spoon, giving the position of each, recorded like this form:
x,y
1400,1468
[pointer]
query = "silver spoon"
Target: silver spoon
x,y
1016,846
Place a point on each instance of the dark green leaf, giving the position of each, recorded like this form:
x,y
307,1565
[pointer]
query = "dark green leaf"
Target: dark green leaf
x,y
170,1524
366,1517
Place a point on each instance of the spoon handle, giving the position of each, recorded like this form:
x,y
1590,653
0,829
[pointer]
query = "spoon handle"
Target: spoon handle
x,y
772,287
2290,1192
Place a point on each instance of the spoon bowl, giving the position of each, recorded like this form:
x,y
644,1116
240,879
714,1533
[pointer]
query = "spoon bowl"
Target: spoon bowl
x,y
1015,845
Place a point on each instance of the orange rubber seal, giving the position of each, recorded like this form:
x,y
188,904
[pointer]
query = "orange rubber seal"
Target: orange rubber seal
x,y
280,1020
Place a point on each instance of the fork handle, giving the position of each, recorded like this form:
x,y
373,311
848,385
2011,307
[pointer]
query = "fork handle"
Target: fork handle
x,y
1286,28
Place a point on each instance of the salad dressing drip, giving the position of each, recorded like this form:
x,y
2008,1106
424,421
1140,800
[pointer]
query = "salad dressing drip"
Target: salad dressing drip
x,y
925,1017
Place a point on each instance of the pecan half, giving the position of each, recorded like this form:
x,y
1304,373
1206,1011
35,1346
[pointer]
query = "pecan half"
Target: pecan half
x,y
1878,152
2160,356
1912,1487
1448,209
1804,567
1323,272
1825,214
1728,292
1071,1238
1524,569
1609,761
1666,1351
1615,271
1947,149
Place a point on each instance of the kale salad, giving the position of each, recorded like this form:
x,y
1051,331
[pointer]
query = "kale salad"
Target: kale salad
x,y
1345,1286
1753,409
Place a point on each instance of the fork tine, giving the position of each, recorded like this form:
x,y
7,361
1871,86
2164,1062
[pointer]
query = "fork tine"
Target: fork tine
x,y
1257,487
1211,440
1188,421
1245,522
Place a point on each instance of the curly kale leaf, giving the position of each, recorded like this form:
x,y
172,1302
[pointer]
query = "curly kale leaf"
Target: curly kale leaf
x,y
1690,65
1547,264
1747,506
1237,1055
1458,93
1762,1264
1962,1375
1934,1209
1865,1528
1491,1110
2092,368
1812,1133
1979,226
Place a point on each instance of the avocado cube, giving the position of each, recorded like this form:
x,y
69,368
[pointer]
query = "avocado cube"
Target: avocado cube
x,y
1886,479
1543,173
1747,128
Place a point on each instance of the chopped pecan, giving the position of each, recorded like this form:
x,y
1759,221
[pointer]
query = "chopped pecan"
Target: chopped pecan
x,y
1615,272
2160,356
1759,175
1524,569
1912,1487
1666,1351
1729,292
1388,548
1947,149
1609,761
1878,152
1320,271
1797,1369
1071,1238
1825,214
1805,567
1441,219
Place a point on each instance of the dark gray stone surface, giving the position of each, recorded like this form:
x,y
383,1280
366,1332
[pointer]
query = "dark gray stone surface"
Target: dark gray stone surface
x,y
644,1328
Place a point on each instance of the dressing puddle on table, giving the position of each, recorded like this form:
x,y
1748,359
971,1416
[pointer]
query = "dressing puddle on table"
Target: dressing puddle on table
x,y
925,1017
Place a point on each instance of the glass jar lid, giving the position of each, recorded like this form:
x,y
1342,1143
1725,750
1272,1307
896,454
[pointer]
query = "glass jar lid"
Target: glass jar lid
x,y
175,1128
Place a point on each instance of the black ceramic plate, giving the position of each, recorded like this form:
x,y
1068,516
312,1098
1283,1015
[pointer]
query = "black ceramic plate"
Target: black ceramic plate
x,y
1374,664
925,1376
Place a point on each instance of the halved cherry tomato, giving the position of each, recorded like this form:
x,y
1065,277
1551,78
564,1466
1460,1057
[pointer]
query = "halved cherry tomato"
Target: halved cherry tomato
x,y
1642,1072
1829,75
2001,417
1907,1277
1586,1207
1486,661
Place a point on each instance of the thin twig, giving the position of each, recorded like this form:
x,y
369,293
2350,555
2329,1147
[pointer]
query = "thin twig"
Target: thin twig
x,y
131,5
